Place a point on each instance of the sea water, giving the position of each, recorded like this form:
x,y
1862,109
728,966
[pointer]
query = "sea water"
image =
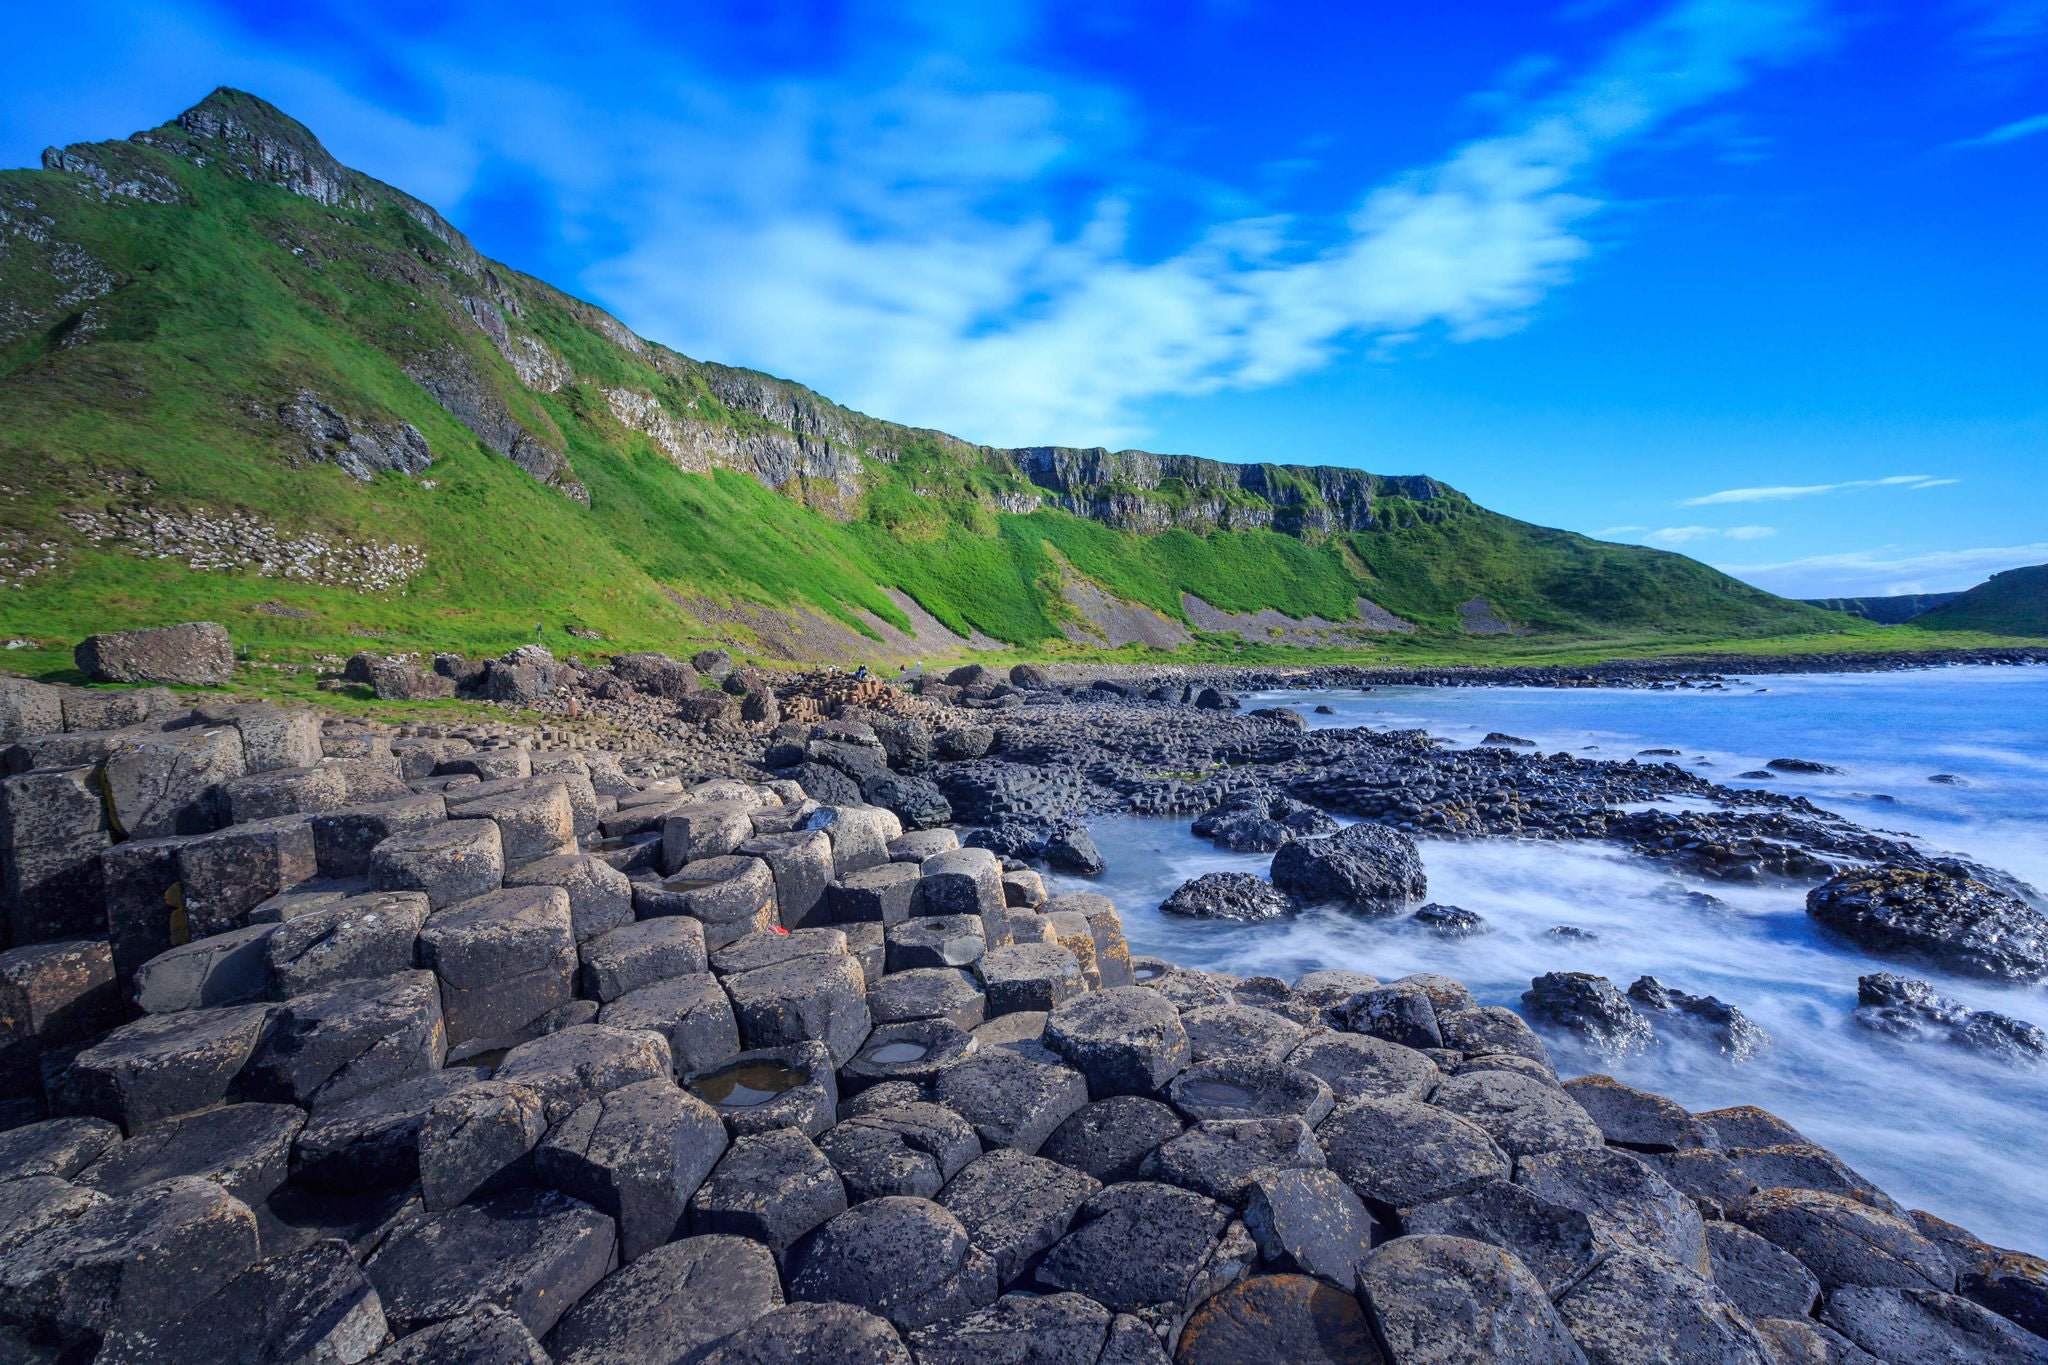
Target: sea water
x,y
1931,1124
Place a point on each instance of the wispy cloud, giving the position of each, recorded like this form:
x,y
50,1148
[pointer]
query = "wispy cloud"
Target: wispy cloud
x,y
2010,132
1671,537
1887,570
1784,492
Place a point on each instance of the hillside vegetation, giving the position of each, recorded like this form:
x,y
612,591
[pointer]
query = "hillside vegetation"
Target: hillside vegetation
x,y
240,381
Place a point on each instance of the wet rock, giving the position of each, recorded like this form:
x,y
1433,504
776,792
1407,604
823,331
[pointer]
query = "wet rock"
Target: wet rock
x,y
821,999
944,993
1898,1324
310,1305
128,1264
1438,1300
772,1187
1111,1138
776,1087
1013,1097
1637,1119
1238,1031
1395,1013
1725,1027
1557,1244
1590,1009
1279,1320
334,1044
1228,895
372,1139
1125,1040
1020,1329
1219,1157
1356,1066
575,1065
1452,921
1940,915
1241,1088
1028,976
692,1012
904,1259
1844,1242
915,1050
899,1149
1625,1200
671,1304
533,1252
1636,1308
1759,1278
162,1065
812,1334
1913,1010
59,1147
1365,868
1399,1153
1137,1246
1523,1116
243,1148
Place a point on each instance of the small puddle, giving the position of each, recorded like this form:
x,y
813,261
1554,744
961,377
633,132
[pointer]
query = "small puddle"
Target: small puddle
x,y
895,1054
749,1084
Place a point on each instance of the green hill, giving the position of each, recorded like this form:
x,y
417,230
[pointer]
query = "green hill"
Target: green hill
x,y
2011,603
241,381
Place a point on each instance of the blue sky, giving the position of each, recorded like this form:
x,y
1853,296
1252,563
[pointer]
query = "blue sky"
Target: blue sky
x,y
1762,280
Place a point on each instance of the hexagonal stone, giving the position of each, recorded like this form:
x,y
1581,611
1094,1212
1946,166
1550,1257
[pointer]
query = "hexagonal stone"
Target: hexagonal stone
x,y
162,1065
1626,1201
1636,1308
772,1187
902,1258
477,1140
449,862
1138,1246
128,1263
916,1050
372,1139
637,1153
311,1304
807,1332
888,893
1440,1300
1922,1324
935,941
1762,1280
1238,1088
670,1304
59,1147
333,1044
946,993
504,959
1238,1031
354,939
1358,1067
1847,1243
821,999
901,1149
640,954
600,895
1015,1206
1027,1329
1523,1116
1557,1244
777,1087
963,881
1308,1220
575,1065
1029,976
243,1148
1111,1138
1219,1157
1637,1119
693,1012
533,1252
1126,1040
1279,1320
1013,1098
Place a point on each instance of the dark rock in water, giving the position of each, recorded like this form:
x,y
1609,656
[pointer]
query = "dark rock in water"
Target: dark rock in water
x,y
1452,921
1589,1007
1366,868
1070,849
1903,1008
1736,1035
1800,765
1228,895
1496,737
1260,822
1571,933
1937,913
1949,780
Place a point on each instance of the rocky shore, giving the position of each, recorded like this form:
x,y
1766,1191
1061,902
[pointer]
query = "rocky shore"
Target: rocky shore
x,y
728,1019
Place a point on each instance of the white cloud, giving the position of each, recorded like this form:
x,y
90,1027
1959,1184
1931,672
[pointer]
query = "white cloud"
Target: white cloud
x,y
1886,571
1671,537
1784,492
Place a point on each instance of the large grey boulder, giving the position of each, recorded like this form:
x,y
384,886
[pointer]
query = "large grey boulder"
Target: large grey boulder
x,y
196,654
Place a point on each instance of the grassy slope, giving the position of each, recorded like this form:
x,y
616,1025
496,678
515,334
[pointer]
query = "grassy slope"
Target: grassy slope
x,y
233,302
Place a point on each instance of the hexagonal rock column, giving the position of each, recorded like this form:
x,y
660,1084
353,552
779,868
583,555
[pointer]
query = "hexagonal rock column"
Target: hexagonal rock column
x,y
1126,1040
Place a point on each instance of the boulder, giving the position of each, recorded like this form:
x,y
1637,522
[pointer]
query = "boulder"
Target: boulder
x,y
196,654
